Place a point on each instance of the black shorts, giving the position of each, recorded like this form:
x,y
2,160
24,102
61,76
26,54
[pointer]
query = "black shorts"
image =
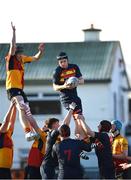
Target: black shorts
x,y
77,100
32,172
16,92
5,173
70,173
107,173
49,172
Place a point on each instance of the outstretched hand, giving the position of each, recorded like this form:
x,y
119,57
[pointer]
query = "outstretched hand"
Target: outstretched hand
x,y
13,27
125,166
41,47
72,105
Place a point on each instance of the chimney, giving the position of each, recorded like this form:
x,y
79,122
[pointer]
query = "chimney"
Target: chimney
x,y
92,34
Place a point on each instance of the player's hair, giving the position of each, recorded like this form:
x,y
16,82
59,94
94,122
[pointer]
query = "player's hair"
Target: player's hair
x,y
0,124
49,122
64,131
105,126
62,55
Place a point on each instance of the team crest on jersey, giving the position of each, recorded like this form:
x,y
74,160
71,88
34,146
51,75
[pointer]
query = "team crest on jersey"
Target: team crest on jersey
x,y
66,74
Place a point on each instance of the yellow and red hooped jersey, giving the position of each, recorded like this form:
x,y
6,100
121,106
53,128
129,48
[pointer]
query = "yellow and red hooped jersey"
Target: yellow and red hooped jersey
x,y
6,150
119,145
15,71
37,151
60,75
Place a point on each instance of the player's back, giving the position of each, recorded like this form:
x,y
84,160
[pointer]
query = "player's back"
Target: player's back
x,y
68,152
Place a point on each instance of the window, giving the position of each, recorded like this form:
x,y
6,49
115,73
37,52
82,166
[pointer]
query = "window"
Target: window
x,y
32,95
45,107
51,95
44,103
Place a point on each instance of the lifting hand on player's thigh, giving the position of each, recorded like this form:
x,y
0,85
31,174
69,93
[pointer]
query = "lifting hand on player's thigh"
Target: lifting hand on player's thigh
x,y
19,102
79,130
22,108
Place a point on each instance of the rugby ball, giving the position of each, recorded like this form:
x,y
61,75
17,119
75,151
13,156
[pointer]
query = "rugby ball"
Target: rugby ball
x,y
72,81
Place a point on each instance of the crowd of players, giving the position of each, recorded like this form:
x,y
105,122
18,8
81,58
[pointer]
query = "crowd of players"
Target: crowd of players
x,y
53,150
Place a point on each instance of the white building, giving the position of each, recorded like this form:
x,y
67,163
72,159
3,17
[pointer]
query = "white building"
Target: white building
x,y
104,94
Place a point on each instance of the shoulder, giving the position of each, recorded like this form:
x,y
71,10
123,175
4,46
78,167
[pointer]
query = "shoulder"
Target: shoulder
x,y
72,140
102,135
42,133
57,69
26,58
56,146
120,137
73,65
75,141
124,139
54,133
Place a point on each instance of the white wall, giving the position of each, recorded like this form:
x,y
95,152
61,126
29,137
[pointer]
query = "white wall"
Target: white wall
x,y
95,100
118,83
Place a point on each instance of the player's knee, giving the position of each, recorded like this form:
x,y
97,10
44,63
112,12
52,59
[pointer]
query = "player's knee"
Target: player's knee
x,y
18,98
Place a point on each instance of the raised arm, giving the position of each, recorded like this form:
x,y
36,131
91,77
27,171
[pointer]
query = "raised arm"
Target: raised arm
x,y
34,124
6,121
12,118
31,120
86,128
38,55
68,116
13,42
